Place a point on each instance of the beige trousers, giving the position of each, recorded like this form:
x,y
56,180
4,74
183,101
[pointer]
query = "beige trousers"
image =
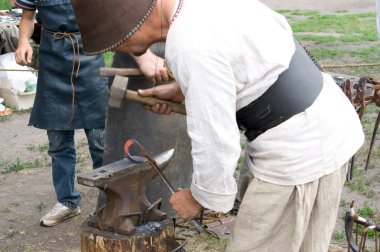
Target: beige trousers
x,y
288,218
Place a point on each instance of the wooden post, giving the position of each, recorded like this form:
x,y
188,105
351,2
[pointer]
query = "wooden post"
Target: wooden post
x,y
150,237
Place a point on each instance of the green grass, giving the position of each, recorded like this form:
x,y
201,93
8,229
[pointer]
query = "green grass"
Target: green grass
x,y
19,165
309,13
339,236
344,203
283,11
341,11
108,57
41,147
10,233
362,184
6,118
319,39
4,4
339,38
363,55
368,212
364,23
41,206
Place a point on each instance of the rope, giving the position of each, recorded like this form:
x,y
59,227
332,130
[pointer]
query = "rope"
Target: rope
x,y
351,65
311,56
18,70
76,53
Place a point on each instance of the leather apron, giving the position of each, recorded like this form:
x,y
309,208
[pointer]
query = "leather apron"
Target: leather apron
x,y
53,106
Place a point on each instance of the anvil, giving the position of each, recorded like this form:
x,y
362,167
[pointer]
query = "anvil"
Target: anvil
x,y
124,183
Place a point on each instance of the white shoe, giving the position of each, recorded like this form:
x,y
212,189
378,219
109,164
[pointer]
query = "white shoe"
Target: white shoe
x,y
58,214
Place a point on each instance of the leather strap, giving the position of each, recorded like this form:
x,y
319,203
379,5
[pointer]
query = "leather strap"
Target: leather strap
x,y
294,91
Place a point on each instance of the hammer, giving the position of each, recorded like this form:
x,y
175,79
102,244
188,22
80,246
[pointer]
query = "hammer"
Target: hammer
x,y
119,91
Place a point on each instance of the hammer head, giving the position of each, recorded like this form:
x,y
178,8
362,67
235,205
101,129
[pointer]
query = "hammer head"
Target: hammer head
x,y
117,91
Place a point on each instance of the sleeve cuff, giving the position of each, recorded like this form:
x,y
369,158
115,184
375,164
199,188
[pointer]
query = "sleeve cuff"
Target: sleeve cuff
x,y
213,201
25,6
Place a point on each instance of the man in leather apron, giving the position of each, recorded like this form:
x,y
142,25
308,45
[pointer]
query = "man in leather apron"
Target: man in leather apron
x,y
239,67
70,96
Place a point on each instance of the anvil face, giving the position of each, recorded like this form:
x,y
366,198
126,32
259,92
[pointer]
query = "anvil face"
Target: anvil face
x,y
124,183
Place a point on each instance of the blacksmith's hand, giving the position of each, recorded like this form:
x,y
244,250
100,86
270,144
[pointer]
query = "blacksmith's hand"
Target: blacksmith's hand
x,y
24,53
170,92
185,205
153,67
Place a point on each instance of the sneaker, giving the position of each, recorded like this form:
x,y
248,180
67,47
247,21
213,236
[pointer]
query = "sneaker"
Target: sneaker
x,y
58,214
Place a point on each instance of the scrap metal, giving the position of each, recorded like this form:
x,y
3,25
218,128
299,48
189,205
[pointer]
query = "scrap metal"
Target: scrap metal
x,y
361,92
351,218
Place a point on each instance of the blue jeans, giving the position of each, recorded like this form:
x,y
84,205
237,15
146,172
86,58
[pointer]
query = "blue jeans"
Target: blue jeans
x,y
63,155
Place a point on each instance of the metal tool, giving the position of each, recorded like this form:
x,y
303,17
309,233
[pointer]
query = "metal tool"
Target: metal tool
x,y
153,163
351,218
362,92
119,92
124,183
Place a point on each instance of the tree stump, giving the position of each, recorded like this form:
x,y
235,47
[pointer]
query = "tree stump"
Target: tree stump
x,y
154,236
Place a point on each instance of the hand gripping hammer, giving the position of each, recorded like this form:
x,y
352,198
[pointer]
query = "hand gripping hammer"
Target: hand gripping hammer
x,y
119,90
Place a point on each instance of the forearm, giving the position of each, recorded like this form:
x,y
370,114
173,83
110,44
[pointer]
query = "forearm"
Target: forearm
x,y
26,26
143,58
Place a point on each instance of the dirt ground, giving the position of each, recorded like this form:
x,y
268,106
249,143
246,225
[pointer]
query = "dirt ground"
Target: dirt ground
x,y
25,196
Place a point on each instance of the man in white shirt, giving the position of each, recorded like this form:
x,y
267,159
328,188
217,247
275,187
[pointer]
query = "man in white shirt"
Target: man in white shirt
x,y
238,61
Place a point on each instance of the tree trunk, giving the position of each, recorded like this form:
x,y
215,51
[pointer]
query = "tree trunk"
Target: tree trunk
x,y
151,237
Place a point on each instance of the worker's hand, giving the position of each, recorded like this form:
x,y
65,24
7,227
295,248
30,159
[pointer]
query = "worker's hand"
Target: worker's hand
x,y
24,53
170,92
153,67
185,205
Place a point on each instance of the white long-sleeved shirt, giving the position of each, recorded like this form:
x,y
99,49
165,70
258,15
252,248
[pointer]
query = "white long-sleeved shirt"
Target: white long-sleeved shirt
x,y
225,54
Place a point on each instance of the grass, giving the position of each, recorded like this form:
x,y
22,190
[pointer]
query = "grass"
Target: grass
x,y
344,203
339,236
4,4
41,206
39,148
363,24
304,13
339,38
368,212
19,165
10,233
205,242
361,183
108,57
6,118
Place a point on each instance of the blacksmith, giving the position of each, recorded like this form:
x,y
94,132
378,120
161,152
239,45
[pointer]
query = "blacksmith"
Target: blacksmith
x,y
238,66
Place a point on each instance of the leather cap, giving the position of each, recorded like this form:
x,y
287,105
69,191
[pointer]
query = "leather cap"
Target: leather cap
x,y
105,24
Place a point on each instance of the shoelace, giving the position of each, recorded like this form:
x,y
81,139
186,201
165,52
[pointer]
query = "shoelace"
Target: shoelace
x,y
56,207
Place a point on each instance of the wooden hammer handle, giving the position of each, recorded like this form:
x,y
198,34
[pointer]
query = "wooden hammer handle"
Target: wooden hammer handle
x,y
135,97
110,71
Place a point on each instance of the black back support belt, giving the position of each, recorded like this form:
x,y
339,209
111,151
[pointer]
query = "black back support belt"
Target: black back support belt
x,y
294,91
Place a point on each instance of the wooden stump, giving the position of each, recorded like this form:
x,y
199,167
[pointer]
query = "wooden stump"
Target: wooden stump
x,y
151,237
